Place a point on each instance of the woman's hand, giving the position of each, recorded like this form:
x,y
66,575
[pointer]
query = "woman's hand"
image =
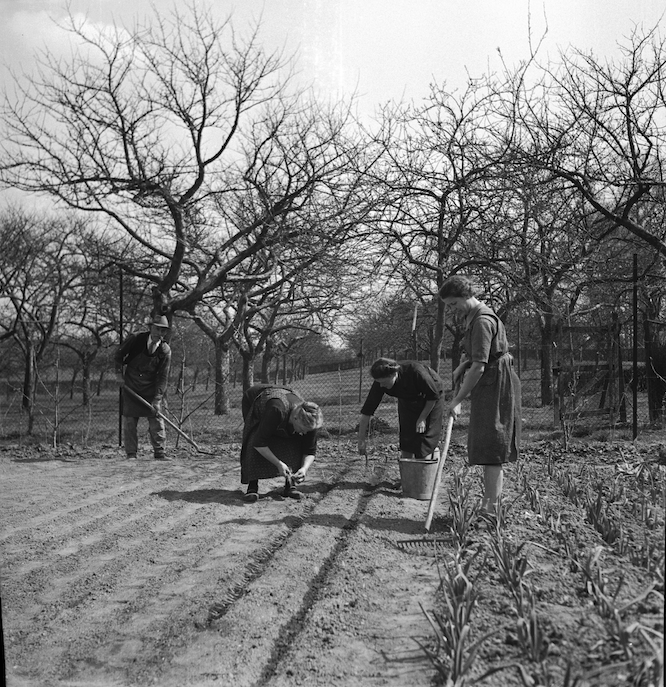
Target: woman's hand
x,y
285,470
454,410
423,416
299,475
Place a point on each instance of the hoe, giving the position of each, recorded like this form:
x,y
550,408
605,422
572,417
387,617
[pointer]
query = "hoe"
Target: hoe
x,y
171,424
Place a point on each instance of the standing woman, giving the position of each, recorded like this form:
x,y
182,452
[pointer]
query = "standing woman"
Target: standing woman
x,y
487,377
420,395
279,438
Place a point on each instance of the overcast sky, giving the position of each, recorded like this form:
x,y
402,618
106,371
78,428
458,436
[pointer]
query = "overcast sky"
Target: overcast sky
x,y
382,49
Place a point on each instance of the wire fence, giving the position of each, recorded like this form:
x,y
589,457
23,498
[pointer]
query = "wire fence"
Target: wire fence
x,y
593,397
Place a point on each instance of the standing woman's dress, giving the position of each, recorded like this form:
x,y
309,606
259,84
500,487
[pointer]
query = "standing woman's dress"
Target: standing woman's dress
x,y
266,412
495,406
416,384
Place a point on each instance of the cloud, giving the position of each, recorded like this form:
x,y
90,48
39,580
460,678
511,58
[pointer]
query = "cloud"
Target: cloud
x,y
26,33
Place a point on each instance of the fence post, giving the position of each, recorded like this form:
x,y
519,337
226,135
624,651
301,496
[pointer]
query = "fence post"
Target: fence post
x,y
121,326
557,397
622,400
634,410
360,371
518,351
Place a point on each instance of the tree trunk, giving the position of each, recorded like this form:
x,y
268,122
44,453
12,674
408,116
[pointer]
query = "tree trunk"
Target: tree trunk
x,y
72,384
100,382
28,399
86,380
222,361
655,385
456,351
438,338
547,330
29,385
266,361
248,370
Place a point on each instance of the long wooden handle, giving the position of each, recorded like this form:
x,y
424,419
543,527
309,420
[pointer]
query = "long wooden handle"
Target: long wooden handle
x,y
164,417
438,477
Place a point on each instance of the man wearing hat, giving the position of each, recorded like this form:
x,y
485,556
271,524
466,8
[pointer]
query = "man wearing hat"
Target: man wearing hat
x,y
146,358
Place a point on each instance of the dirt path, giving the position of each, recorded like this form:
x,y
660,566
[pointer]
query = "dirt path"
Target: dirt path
x,y
118,573
129,574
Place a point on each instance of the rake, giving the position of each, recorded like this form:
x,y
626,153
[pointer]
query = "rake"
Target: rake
x,y
187,438
438,477
426,546
431,545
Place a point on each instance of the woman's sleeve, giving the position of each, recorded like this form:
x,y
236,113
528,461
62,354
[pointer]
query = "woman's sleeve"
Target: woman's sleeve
x,y
483,331
373,399
309,443
269,422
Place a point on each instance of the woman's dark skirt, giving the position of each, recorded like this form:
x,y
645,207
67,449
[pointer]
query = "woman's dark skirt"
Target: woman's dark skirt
x,y
255,466
421,445
495,417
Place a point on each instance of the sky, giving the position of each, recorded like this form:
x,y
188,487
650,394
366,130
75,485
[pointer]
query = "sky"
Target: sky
x,y
379,49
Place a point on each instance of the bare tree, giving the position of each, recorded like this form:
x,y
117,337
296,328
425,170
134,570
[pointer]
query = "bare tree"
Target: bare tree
x,y
599,126
436,161
38,270
90,316
278,318
189,137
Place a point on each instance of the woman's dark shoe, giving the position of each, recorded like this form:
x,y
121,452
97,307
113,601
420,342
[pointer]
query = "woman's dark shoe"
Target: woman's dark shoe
x,y
292,493
289,491
252,493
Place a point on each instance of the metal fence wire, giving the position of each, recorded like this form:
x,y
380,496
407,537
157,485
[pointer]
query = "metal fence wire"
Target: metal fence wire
x,y
595,395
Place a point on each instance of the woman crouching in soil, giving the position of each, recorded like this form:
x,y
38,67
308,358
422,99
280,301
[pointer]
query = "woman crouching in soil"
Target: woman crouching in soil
x,y
279,438
420,394
487,376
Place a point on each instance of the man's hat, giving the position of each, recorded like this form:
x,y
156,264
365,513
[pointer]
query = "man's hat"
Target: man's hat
x,y
160,321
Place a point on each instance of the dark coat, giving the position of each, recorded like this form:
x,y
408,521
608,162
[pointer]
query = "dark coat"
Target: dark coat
x,y
266,411
416,384
145,373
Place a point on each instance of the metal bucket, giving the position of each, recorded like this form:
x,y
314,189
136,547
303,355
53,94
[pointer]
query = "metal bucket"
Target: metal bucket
x,y
417,478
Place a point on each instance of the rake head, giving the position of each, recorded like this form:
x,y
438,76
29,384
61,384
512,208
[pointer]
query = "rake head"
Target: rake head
x,y
426,546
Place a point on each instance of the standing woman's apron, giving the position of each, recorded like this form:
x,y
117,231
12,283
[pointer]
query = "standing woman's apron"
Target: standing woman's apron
x,y
495,402
286,445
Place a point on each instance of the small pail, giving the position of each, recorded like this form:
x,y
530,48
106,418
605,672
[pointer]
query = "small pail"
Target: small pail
x,y
417,478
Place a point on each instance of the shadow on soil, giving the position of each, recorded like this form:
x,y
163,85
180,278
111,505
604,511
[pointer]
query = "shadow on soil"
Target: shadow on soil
x,y
226,496
398,526
45,459
235,496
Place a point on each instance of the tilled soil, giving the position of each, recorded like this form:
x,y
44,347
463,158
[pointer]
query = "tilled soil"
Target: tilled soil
x,y
141,573
132,573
